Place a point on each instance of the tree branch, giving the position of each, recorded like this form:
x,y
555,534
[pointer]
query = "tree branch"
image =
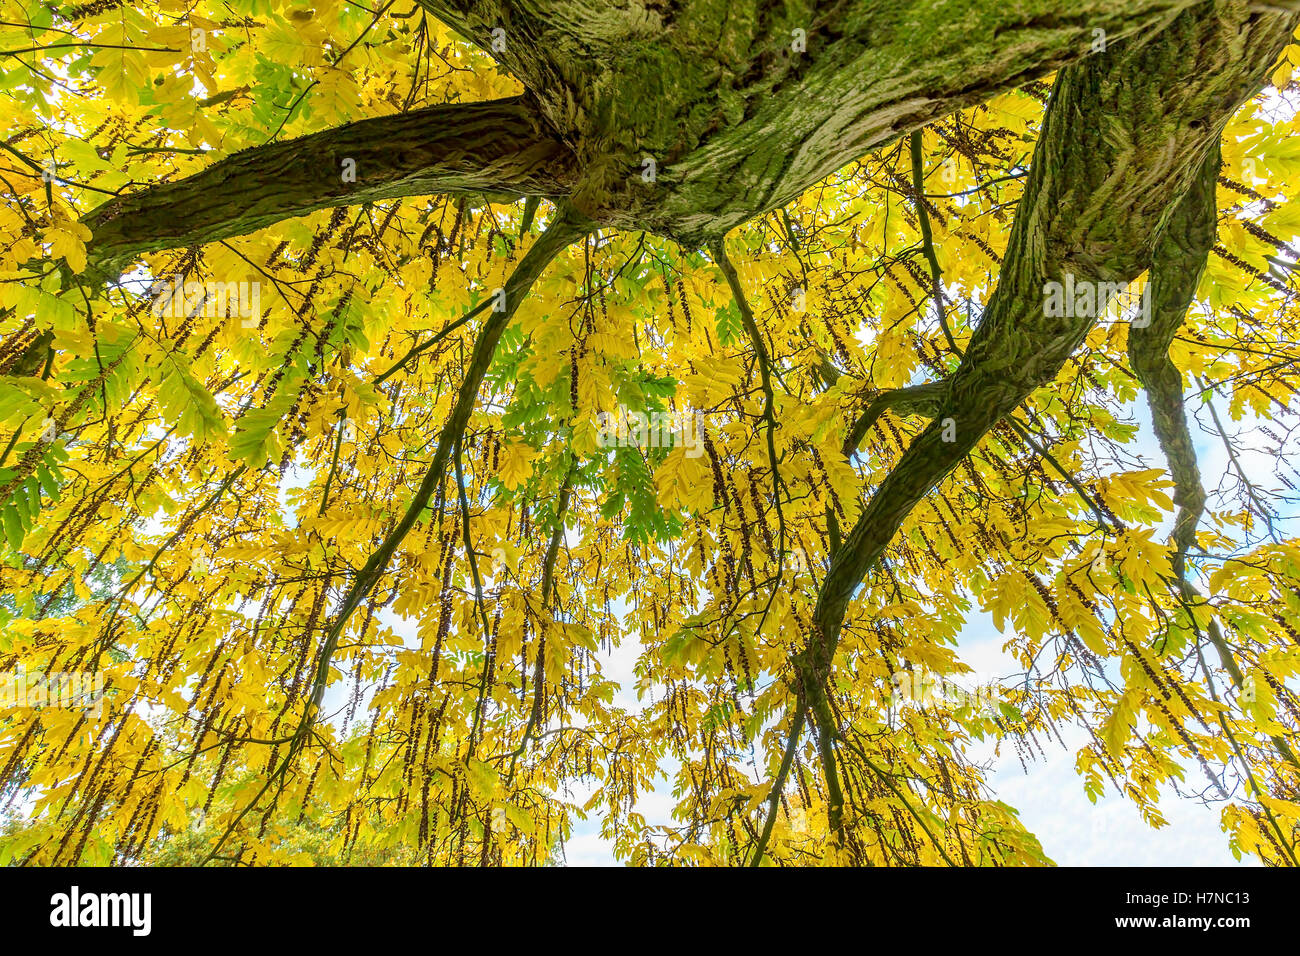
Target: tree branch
x,y
1093,195
927,239
921,399
1180,258
561,232
778,782
499,148
548,583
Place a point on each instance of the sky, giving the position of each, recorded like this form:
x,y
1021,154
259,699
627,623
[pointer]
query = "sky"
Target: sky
x,y
1048,793
1049,796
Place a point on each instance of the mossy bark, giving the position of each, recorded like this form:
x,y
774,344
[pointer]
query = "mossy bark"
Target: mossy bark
x,y
741,105
499,148
1125,135
1180,258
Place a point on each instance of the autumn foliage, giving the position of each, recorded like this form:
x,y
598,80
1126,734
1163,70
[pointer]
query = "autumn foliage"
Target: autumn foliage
x,y
338,510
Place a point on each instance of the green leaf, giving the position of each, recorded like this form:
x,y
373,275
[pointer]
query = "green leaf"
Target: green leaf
x,y
13,527
185,400
729,324
255,441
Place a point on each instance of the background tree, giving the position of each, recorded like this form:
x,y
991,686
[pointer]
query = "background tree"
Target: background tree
x,y
373,546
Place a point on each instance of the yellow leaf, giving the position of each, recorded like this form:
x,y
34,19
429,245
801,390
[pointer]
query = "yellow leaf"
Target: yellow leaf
x,y
68,242
482,778
516,464
684,481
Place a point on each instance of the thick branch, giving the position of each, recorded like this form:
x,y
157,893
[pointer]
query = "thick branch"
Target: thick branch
x,y
1180,258
1096,193
498,148
743,105
872,71
740,107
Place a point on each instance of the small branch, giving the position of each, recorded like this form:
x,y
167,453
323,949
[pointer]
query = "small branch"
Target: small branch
x,y
334,462
530,210
927,239
1065,473
719,249
548,583
921,399
778,782
562,231
1258,506
438,337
